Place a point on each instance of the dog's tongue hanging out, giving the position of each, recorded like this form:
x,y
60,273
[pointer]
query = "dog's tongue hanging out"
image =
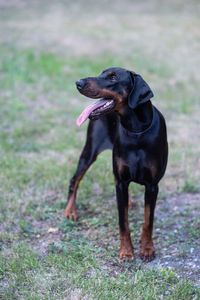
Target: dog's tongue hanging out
x,y
88,110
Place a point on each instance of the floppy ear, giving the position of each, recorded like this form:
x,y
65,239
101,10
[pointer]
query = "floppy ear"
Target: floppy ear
x,y
140,93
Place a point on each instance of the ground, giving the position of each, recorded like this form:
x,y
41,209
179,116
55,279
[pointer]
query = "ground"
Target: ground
x,y
44,47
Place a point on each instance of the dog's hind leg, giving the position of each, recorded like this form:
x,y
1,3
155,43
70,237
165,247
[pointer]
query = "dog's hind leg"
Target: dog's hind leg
x,y
97,141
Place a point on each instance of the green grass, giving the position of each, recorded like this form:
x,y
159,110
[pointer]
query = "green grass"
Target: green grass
x,y
74,262
44,49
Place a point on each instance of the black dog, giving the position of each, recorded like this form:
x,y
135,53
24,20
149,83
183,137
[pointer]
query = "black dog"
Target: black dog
x,y
124,120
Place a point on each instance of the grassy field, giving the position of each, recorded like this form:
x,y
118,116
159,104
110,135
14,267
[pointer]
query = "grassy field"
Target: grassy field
x,y
44,47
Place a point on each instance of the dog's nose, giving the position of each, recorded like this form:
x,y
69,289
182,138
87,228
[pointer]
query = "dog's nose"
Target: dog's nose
x,y
80,83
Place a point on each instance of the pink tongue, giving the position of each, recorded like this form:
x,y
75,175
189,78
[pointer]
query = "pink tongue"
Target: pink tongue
x,y
87,111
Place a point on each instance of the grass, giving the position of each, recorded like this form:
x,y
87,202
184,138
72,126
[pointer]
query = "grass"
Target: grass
x,y
42,52
71,263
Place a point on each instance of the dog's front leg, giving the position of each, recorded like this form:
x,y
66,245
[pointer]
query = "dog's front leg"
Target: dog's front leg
x,y
126,247
147,251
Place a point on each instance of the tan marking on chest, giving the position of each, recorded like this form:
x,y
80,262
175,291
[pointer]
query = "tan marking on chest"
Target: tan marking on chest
x,y
153,169
121,164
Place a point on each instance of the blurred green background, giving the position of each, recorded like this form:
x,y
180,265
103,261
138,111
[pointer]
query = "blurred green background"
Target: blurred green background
x,y
44,47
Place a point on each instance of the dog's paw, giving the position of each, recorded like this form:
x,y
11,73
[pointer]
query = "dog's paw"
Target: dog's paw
x,y
126,254
71,214
147,252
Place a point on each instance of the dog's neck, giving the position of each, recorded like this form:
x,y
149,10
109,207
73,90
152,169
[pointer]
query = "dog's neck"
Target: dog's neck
x,y
138,119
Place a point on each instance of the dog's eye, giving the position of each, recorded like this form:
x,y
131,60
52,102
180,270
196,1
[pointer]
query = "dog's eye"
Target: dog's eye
x,y
112,77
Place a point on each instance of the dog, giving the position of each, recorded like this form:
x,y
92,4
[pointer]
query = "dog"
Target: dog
x,y
125,121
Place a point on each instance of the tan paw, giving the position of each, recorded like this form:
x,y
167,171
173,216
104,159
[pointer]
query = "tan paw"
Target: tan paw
x,y
71,214
147,252
126,253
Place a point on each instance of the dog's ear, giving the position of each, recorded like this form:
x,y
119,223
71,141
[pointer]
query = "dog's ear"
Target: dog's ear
x,y
140,93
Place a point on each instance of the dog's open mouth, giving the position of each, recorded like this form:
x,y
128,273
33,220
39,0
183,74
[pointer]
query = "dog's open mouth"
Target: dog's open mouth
x,y
92,111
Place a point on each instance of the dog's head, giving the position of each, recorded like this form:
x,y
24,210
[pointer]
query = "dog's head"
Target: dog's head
x,y
116,88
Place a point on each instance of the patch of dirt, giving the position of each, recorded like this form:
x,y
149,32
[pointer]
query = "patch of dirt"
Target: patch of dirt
x,y
176,238
49,234
178,241
76,295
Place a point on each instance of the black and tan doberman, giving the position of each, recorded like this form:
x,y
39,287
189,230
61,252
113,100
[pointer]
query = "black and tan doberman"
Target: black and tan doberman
x,y
125,121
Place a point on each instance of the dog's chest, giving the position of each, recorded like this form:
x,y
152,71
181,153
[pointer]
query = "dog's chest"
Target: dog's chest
x,y
136,165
